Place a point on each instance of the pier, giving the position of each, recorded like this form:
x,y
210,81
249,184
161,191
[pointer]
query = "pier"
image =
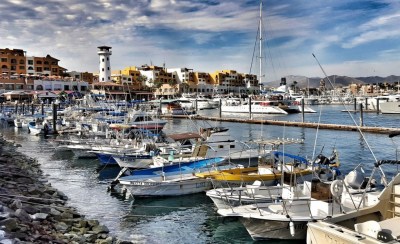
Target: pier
x,y
370,129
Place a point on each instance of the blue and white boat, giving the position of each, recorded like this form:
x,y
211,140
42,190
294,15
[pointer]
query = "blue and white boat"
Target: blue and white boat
x,y
169,180
40,126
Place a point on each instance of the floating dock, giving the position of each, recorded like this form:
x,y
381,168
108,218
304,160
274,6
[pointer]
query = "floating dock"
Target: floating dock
x,y
370,129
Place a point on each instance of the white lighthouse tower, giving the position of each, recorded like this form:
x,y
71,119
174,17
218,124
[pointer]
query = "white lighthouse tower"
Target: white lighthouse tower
x,y
104,63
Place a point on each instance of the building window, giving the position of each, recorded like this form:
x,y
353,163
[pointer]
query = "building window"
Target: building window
x,y
13,61
39,69
102,60
108,68
13,68
102,79
102,69
4,67
30,68
109,78
21,67
30,62
66,87
19,87
83,88
38,62
54,70
39,88
21,61
3,59
107,59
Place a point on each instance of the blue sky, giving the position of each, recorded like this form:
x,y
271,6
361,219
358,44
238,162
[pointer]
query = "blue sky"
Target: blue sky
x,y
354,38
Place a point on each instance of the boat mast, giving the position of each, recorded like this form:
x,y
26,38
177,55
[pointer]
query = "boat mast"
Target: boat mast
x,y
260,44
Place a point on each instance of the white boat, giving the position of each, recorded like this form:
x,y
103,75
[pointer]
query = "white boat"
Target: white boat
x,y
306,109
261,192
390,107
168,180
377,223
18,122
257,107
159,186
288,219
38,127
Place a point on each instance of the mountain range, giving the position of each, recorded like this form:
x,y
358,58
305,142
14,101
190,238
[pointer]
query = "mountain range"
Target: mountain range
x,y
337,81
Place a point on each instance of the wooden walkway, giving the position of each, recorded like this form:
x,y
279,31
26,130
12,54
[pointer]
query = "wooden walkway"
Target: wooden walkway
x,y
370,129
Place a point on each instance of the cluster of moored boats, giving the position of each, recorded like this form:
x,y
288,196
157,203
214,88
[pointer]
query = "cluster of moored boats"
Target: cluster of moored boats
x,y
276,195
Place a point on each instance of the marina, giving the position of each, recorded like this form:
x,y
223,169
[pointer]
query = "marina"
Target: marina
x,y
86,182
221,143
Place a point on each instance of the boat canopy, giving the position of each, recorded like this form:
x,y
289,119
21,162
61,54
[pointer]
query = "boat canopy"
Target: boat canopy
x,y
295,157
380,162
184,136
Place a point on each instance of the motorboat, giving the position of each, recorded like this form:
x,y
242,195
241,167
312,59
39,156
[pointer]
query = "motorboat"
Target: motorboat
x,y
367,223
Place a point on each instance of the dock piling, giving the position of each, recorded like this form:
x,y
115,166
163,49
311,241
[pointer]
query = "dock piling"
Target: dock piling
x,y
250,115
355,105
302,110
377,106
361,115
220,109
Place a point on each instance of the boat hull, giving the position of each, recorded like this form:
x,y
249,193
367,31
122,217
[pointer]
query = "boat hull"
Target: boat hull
x,y
261,229
148,188
390,107
254,109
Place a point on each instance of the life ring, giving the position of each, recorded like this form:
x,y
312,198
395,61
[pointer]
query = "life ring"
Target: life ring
x,y
336,188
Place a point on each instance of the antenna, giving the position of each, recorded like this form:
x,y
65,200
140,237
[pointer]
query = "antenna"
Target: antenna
x,y
358,128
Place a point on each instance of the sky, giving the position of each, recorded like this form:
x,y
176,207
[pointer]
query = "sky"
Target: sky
x,y
356,38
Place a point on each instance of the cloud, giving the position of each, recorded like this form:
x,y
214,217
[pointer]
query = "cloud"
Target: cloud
x,y
203,35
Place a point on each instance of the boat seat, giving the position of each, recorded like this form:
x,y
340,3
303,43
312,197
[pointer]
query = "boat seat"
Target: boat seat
x,y
390,226
369,228
276,208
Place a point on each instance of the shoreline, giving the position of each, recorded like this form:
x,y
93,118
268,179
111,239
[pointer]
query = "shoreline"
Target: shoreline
x,y
32,211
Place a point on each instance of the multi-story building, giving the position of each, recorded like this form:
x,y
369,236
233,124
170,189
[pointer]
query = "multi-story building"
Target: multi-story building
x,y
12,62
202,83
162,82
227,81
183,77
87,76
47,66
82,76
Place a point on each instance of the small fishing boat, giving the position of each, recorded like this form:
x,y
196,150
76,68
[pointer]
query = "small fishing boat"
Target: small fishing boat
x,y
40,126
269,170
168,180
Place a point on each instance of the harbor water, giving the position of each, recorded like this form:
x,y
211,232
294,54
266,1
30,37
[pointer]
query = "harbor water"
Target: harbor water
x,y
193,218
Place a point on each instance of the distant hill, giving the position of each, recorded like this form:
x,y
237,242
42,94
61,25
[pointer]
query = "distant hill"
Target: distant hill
x,y
337,81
